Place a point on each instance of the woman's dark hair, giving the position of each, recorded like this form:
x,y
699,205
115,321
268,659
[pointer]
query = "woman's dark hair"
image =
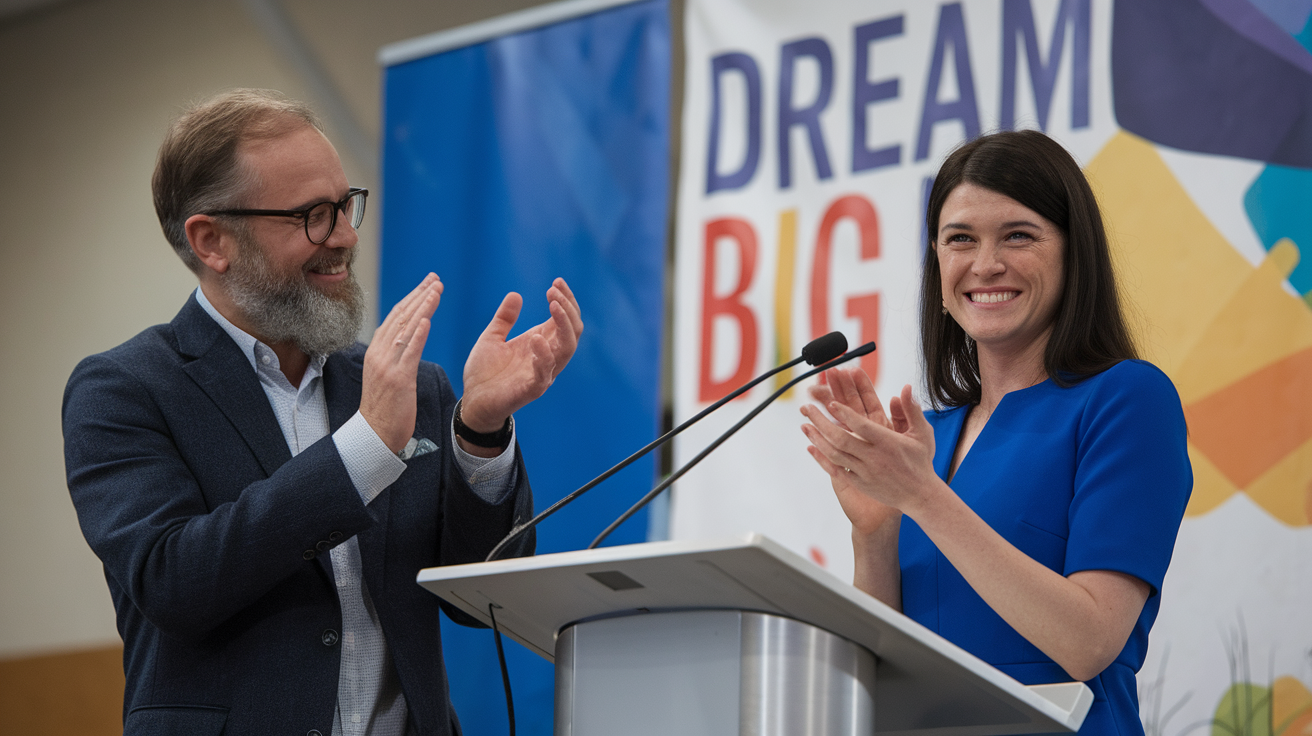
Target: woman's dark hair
x,y
1089,333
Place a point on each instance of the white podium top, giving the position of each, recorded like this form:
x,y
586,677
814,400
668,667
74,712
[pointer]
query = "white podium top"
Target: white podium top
x,y
925,685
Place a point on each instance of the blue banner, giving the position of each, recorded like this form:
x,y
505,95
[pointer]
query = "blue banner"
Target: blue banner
x,y
505,164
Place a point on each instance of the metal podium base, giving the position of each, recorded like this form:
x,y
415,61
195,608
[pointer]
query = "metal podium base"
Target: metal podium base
x,y
711,673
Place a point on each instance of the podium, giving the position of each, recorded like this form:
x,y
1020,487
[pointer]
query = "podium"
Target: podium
x,y
740,636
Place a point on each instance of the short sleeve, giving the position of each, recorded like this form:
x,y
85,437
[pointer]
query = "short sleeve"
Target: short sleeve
x,y
1133,477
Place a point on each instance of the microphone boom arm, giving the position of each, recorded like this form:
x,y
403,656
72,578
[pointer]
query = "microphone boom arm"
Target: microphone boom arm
x,y
519,530
653,493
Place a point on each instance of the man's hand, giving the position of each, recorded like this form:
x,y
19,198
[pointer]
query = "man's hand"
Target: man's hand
x,y
502,376
391,365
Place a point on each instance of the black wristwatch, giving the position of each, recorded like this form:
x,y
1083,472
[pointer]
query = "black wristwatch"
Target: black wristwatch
x,y
498,439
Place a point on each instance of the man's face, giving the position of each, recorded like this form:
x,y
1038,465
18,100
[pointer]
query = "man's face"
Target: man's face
x,y
289,289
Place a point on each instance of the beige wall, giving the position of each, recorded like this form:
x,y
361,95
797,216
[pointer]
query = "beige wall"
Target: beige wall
x,y
87,88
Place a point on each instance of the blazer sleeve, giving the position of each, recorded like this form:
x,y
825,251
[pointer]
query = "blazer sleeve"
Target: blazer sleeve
x,y
187,524
470,526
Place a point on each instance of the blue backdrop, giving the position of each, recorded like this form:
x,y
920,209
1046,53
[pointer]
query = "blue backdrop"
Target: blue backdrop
x,y
505,164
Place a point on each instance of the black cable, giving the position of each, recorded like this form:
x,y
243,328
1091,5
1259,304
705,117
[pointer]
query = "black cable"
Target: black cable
x,y
653,493
505,673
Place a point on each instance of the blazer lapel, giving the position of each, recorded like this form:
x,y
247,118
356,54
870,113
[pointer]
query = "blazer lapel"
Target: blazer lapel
x,y
220,370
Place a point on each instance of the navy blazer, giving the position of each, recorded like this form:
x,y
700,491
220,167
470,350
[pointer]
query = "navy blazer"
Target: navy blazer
x,y
212,535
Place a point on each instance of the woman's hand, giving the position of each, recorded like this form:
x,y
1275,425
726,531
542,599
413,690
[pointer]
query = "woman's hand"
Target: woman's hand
x,y
852,389
850,449
880,465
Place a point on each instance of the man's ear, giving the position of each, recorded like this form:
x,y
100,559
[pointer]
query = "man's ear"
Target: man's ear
x,y
209,241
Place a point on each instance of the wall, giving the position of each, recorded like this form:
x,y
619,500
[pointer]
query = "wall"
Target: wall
x,y
88,89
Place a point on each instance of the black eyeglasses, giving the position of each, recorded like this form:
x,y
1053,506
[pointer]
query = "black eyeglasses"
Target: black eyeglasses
x,y
320,219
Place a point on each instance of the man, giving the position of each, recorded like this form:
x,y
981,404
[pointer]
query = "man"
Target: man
x,y
261,488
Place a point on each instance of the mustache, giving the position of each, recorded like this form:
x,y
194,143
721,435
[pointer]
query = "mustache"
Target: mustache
x,y
330,259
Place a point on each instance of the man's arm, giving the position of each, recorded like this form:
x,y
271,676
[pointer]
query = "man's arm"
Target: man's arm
x,y
173,501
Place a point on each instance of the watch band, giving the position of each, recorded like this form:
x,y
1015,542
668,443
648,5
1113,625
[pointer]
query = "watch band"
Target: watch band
x,y
497,439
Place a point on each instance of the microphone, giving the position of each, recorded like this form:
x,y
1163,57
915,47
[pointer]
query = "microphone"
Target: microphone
x,y
823,349
653,493
820,350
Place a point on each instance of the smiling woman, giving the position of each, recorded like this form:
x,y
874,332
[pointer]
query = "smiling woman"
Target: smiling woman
x,y
1001,271
1042,547
1027,169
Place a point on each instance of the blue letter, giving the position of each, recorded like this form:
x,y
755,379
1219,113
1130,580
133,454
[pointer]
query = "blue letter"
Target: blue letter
x,y
808,116
865,94
752,76
951,32
1018,18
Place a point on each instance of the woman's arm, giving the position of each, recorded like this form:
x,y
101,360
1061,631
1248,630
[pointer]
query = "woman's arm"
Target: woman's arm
x,y
1081,622
875,525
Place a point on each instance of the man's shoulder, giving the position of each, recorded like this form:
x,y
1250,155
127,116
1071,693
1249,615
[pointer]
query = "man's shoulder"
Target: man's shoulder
x,y
161,347
152,347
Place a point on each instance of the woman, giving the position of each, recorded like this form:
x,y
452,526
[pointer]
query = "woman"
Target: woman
x,y
1030,517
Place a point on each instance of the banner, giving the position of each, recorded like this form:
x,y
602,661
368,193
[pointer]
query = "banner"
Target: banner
x,y
810,136
534,146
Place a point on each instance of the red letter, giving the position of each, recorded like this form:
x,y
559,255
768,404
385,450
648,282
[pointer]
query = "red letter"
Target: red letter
x,y
729,305
864,308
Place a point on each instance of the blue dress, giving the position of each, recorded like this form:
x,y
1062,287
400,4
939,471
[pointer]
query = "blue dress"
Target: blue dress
x,y
1091,477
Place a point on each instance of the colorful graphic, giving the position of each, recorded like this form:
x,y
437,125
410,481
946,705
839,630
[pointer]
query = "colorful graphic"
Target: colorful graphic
x,y
1225,78
1183,75
1237,344
1194,121
1283,709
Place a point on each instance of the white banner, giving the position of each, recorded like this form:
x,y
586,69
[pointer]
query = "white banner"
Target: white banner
x,y
784,236
810,132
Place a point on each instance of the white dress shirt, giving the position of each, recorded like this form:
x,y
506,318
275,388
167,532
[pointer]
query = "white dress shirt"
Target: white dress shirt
x,y
369,697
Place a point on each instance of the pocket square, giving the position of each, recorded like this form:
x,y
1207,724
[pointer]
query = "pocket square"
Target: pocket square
x,y
415,447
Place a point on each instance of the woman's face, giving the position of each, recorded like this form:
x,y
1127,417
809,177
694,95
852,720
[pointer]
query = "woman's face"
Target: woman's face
x,y
1001,265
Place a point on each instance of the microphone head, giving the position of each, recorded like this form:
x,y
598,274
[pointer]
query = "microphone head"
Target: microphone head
x,y
824,348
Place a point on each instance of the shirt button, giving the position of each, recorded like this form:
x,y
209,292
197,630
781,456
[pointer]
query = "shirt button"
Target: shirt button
x,y
265,360
329,637
355,718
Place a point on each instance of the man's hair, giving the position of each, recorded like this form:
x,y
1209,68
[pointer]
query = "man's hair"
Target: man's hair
x,y
1089,332
198,169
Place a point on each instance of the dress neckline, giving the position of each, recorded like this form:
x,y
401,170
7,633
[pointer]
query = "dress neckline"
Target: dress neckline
x,y
962,414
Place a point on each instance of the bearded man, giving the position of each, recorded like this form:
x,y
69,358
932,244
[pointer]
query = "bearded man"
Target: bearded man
x,y
260,487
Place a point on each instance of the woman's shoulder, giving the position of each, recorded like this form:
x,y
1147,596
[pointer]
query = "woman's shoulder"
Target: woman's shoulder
x,y
1134,377
1133,394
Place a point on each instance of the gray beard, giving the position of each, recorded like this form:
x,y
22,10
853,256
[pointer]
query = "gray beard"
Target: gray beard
x,y
290,309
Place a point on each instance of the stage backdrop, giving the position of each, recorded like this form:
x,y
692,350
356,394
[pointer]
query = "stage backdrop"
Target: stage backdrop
x,y
530,147
810,132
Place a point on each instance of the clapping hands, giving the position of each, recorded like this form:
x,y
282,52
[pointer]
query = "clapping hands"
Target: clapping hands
x,y
501,376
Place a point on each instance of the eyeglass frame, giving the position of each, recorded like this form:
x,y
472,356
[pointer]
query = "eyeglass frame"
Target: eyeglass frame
x,y
304,212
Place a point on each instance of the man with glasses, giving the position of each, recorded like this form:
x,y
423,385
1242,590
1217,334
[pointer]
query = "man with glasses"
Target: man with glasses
x,y
260,487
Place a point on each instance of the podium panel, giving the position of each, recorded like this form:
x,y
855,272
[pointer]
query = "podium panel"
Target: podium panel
x,y
925,685
709,673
